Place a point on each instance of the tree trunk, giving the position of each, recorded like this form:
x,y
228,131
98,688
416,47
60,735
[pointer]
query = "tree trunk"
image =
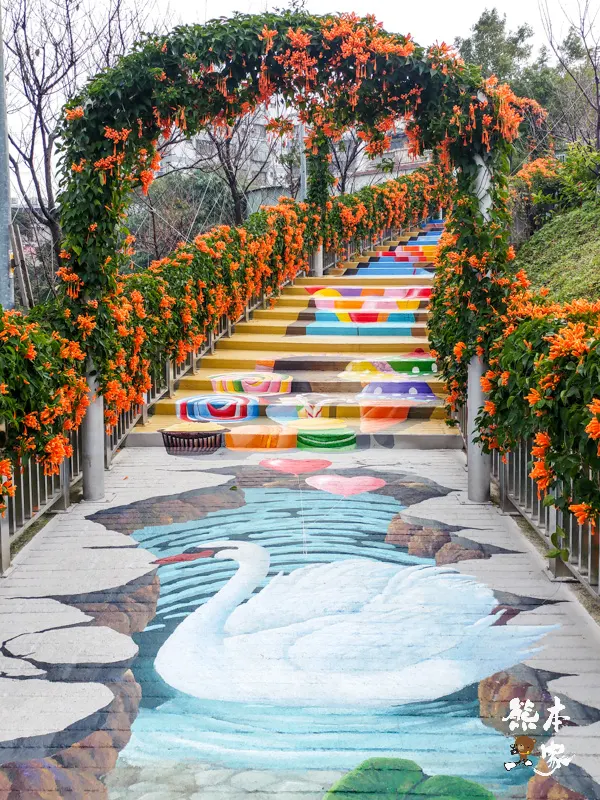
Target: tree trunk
x,y
240,204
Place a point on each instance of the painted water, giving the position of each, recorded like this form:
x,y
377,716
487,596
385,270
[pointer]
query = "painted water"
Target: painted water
x,y
298,528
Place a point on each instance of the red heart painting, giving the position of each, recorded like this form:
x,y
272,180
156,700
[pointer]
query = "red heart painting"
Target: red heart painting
x,y
339,484
295,466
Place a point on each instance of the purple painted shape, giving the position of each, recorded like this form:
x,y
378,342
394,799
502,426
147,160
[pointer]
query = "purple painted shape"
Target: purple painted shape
x,y
397,387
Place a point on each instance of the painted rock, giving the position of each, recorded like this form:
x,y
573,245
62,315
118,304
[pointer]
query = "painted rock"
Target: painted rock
x,y
252,383
260,437
375,417
327,438
220,408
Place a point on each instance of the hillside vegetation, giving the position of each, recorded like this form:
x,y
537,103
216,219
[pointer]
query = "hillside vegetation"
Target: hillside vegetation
x,y
564,254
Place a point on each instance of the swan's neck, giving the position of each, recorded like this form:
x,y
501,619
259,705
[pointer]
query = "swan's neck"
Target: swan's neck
x,y
210,618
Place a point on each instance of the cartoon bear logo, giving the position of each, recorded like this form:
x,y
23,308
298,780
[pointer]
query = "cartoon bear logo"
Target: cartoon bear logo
x,y
523,747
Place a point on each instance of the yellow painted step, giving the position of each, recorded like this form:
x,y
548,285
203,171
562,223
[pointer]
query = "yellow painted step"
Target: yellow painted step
x,y
275,327
334,411
363,281
280,312
257,360
350,303
322,381
412,434
327,345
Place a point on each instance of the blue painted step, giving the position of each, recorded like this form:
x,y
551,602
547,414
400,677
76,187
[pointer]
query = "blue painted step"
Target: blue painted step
x,y
358,329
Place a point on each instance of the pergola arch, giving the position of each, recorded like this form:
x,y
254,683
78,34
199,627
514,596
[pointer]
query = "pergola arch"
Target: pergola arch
x,y
337,71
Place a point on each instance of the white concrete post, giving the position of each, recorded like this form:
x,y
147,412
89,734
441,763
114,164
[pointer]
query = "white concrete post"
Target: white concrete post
x,y
92,436
478,463
318,262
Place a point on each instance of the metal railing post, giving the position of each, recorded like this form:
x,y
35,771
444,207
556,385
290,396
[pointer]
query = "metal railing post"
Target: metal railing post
x,y
505,505
92,435
170,379
4,543
64,501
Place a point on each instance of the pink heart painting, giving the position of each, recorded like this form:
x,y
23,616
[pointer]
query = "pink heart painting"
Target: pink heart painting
x,y
339,484
295,466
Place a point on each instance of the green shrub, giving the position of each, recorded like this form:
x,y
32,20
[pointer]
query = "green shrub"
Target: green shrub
x,y
564,254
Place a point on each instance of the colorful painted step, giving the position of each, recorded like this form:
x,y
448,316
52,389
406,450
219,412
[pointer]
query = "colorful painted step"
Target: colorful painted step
x,y
337,363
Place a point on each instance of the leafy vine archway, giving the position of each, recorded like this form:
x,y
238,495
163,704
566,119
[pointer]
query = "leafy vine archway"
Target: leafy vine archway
x,y
337,71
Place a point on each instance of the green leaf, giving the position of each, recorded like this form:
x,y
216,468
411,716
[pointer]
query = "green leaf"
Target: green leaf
x,y
378,779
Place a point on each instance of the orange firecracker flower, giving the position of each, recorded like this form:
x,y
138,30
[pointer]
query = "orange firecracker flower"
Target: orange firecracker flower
x,y
533,397
582,512
459,349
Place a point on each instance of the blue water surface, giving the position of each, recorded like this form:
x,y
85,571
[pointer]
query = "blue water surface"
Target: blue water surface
x,y
297,528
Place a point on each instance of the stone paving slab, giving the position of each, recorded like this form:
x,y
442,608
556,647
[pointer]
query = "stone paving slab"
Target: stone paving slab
x,y
88,711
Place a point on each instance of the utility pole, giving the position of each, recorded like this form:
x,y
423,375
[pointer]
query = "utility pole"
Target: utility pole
x,y
7,286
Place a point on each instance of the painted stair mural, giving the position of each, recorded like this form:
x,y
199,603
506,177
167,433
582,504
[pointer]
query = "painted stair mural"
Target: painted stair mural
x,y
340,362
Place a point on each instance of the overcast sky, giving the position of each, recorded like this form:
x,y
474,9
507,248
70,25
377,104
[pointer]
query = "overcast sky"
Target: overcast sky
x,y
427,20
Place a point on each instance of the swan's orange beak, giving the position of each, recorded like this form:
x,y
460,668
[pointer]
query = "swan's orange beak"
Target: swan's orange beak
x,y
184,557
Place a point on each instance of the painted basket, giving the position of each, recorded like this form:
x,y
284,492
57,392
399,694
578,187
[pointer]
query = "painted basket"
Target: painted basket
x,y
183,443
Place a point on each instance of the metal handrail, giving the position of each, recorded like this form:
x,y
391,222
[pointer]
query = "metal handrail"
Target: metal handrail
x,y
519,492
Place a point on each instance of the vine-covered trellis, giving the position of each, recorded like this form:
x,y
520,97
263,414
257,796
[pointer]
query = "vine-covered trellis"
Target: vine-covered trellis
x,y
337,72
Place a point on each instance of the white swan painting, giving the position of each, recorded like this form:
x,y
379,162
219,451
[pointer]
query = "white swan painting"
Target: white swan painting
x,y
352,633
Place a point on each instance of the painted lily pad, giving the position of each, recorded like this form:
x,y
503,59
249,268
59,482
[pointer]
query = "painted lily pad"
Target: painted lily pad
x,y
449,787
378,779
397,778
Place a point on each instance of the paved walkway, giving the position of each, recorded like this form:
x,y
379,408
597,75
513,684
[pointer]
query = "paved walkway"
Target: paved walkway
x,y
328,622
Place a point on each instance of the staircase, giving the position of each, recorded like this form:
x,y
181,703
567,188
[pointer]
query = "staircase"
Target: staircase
x,y
340,362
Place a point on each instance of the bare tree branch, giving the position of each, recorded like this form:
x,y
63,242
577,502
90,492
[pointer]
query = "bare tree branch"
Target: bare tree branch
x,y
52,47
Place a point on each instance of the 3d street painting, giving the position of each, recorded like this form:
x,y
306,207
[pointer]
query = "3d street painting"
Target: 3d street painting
x,y
311,633
299,630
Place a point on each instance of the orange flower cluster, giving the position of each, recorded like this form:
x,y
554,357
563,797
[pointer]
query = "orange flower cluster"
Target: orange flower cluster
x,y
582,512
73,113
546,167
42,395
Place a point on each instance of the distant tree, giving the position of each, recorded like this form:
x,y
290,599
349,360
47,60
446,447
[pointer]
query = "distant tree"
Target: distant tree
x,y
499,51
346,157
578,56
51,48
241,155
289,158
179,205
